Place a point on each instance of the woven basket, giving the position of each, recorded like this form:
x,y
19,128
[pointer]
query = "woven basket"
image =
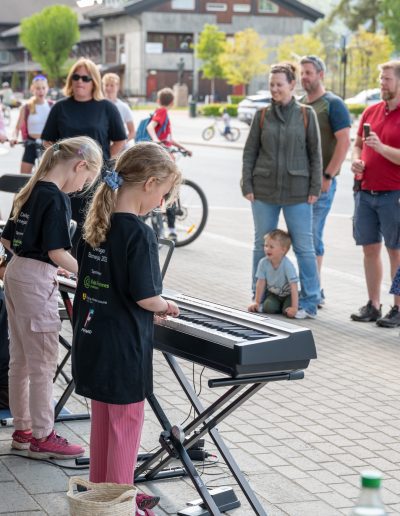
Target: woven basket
x,y
101,499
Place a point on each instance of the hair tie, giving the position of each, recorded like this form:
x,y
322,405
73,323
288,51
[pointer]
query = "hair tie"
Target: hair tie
x,y
111,178
82,150
56,147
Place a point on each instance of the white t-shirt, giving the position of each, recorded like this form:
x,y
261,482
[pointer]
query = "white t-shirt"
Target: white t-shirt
x,y
124,110
37,121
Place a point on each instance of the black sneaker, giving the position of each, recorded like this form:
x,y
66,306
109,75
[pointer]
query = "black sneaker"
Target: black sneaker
x,y
391,319
367,313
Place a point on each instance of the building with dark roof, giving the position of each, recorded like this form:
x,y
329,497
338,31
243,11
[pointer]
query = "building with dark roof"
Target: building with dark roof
x,y
144,40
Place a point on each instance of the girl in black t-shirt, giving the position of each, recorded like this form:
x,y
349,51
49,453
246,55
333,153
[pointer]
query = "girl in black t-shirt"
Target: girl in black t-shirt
x,y
118,292
37,234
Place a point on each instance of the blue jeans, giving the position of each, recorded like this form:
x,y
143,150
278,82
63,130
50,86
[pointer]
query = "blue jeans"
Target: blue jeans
x,y
298,219
320,211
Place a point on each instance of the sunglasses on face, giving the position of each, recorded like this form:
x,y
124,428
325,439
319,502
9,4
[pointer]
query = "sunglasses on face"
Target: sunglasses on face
x,y
84,78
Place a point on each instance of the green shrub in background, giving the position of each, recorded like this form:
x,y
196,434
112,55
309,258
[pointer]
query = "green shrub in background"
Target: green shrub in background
x,y
235,99
356,109
217,109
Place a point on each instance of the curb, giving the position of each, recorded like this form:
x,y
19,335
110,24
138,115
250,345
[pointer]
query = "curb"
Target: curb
x,y
216,145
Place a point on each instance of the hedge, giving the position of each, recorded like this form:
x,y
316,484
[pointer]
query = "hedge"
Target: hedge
x,y
356,109
218,109
235,99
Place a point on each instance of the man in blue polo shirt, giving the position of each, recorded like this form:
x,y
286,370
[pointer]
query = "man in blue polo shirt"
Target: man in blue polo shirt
x,y
334,124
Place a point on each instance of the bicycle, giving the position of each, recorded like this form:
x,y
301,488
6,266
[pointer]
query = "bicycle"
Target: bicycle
x,y
190,211
6,113
209,132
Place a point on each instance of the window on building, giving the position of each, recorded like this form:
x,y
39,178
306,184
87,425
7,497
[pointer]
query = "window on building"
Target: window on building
x,y
183,5
4,56
213,6
172,42
111,49
265,6
241,8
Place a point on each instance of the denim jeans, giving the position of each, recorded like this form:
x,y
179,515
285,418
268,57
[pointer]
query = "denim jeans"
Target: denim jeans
x,y
320,211
298,219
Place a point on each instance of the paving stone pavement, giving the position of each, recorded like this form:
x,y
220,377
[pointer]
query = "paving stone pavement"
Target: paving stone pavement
x,y
301,444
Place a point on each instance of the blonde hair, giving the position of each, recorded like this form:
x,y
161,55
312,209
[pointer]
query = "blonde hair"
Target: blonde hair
x,y
135,166
78,148
94,73
110,77
278,235
31,103
391,65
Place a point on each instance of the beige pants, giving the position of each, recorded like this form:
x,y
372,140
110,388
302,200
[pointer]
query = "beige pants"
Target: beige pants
x,y
31,299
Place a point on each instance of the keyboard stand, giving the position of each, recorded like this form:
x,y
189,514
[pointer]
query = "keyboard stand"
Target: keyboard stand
x,y
175,441
70,382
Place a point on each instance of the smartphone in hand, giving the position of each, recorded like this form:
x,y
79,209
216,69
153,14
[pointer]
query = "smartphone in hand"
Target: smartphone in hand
x,y
366,130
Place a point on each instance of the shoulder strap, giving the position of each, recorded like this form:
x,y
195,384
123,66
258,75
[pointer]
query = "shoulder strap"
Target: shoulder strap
x,y
305,116
263,111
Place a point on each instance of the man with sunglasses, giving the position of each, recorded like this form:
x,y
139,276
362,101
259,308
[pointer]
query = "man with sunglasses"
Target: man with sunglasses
x,y
334,124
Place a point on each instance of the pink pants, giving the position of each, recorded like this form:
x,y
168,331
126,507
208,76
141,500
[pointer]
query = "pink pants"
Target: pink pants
x,y
114,441
31,298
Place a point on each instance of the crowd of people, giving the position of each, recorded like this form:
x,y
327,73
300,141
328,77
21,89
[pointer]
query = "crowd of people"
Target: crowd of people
x,y
292,156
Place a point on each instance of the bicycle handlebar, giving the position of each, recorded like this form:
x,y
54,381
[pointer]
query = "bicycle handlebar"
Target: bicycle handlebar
x,y
172,149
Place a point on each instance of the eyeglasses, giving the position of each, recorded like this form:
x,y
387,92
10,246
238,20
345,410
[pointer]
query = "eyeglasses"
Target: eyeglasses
x,y
84,78
39,78
316,61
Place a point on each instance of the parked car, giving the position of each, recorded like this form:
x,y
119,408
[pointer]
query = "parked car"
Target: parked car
x,y
248,106
366,97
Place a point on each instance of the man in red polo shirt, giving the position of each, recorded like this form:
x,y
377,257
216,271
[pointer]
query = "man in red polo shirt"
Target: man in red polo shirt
x,y
376,163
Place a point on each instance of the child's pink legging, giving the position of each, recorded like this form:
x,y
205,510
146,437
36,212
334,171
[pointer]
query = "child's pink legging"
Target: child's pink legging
x,y
114,441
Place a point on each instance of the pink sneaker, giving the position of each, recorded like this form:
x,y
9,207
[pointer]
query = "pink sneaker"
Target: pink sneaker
x,y
54,447
144,501
21,439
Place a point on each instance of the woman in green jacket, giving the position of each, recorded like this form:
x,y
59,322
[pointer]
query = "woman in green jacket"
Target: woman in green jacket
x,y
282,171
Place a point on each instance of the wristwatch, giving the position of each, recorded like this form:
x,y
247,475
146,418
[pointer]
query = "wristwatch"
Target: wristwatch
x,y
327,176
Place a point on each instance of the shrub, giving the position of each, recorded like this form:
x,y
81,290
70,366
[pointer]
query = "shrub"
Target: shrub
x,y
356,109
218,109
235,99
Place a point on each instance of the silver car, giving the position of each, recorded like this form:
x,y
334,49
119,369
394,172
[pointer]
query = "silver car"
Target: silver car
x,y
248,106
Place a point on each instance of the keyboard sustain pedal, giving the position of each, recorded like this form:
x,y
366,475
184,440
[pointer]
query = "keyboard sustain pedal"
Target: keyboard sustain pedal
x,y
224,497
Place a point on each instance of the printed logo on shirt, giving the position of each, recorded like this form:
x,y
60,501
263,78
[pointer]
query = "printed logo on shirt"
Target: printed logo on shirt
x,y
91,283
89,317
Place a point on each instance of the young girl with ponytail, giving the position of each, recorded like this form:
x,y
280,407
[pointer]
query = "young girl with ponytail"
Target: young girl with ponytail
x,y
37,234
118,292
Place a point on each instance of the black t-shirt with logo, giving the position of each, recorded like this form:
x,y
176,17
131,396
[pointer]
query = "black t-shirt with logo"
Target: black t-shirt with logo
x,y
99,119
42,225
113,336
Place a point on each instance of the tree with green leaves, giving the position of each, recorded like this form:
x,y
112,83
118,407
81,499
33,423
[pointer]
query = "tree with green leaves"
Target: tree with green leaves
x,y
365,52
357,12
292,48
390,14
49,36
209,48
244,58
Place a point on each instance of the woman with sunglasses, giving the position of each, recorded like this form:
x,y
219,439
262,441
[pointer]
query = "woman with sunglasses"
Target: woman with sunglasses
x,y
31,120
85,112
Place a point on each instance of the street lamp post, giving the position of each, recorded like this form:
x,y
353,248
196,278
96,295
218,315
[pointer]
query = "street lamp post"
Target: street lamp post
x,y
26,86
343,60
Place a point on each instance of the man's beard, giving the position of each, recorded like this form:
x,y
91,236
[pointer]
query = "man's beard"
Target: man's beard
x,y
388,95
310,87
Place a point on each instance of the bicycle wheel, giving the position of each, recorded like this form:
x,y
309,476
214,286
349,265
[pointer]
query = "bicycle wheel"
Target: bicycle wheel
x,y
235,134
191,213
208,133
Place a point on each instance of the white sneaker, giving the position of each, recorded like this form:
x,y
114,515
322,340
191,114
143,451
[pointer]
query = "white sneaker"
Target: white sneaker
x,y
303,314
